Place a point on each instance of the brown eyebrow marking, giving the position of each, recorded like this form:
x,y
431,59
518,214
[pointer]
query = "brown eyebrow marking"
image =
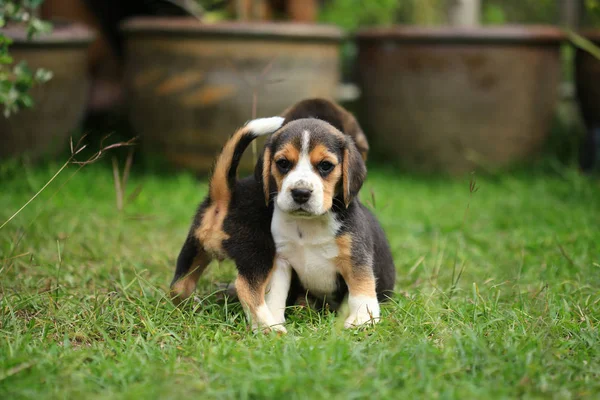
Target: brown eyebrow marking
x,y
289,151
321,153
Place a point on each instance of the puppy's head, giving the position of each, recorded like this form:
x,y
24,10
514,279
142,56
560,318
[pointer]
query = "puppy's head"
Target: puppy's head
x,y
308,165
333,113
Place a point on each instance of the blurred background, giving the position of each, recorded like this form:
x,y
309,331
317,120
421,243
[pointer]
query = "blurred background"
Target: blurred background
x,y
438,85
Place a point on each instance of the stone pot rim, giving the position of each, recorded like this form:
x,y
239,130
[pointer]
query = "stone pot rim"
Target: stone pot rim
x,y
481,34
188,26
64,33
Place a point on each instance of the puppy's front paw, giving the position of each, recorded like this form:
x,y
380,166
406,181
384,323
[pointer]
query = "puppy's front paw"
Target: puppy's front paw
x,y
360,320
279,318
263,320
363,311
279,329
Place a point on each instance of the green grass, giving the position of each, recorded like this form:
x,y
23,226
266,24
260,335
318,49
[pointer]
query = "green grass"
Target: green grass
x,y
83,312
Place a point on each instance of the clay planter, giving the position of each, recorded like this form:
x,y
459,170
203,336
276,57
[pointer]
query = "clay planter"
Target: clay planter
x,y
60,103
587,81
451,99
190,85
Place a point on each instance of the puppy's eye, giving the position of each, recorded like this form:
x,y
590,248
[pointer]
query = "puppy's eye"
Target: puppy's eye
x,y
325,167
283,164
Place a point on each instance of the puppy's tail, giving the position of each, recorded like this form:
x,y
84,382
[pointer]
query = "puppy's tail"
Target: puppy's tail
x,y
224,174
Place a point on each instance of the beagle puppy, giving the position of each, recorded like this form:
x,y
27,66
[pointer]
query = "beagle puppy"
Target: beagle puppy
x,y
327,242
234,221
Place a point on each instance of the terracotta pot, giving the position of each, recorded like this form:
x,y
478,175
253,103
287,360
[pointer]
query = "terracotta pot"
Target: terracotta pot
x,y
587,81
59,104
190,85
303,10
450,99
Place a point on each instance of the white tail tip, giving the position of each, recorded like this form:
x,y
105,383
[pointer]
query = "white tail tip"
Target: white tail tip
x,y
263,126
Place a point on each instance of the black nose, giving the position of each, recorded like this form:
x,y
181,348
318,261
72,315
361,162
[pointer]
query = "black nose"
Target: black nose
x,y
301,196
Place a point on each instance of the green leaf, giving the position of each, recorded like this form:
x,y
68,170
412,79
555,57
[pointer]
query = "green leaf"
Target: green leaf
x,y
584,44
10,9
35,3
5,84
5,59
26,101
21,69
494,14
5,40
37,26
16,81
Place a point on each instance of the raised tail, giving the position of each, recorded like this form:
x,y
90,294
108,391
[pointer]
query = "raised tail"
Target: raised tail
x,y
224,174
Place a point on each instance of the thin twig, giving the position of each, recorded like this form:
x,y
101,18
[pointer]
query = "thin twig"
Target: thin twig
x,y
102,150
564,253
268,67
58,269
15,370
71,160
473,188
37,194
17,256
118,187
127,169
134,194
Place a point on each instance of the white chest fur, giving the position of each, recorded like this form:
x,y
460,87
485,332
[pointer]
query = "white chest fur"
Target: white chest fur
x,y
309,246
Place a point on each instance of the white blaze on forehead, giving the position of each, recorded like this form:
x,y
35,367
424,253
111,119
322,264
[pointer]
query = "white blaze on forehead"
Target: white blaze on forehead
x,y
305,143
302,175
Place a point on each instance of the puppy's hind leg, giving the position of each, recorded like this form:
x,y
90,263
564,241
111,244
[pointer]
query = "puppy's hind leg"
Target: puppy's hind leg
x,y
251,292
191,263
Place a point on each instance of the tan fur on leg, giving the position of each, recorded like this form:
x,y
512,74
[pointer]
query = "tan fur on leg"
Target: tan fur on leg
x,y
362,298
183,288
252,298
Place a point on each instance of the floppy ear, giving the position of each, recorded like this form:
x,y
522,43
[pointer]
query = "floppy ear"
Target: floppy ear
x,y
354,171
352,128
262,171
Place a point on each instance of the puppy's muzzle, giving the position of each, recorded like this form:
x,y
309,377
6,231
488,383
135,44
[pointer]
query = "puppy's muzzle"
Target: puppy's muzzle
x,y
301,196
